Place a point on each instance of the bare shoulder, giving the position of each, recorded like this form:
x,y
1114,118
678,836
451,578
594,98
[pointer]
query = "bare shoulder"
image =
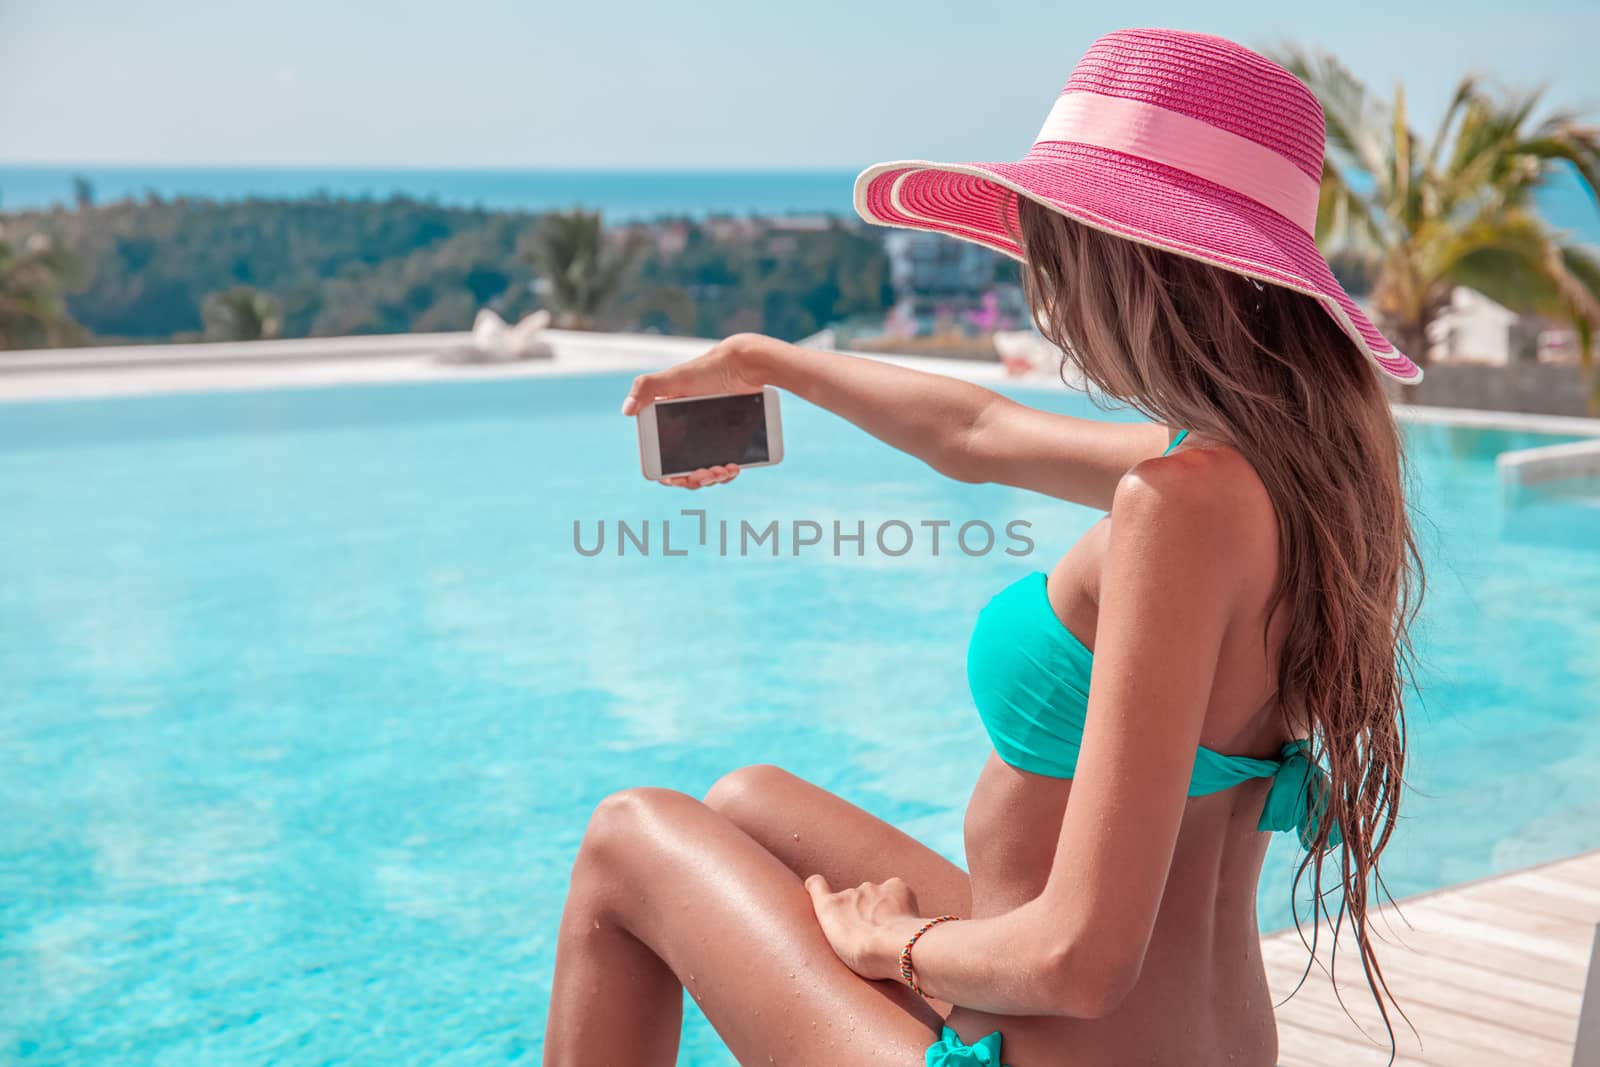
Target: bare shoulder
x,y
1205,505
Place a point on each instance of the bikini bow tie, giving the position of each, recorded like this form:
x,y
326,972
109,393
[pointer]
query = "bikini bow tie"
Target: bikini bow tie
x,y
951,1051
1299,797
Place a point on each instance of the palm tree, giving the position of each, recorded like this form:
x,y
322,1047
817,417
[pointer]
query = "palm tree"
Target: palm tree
x,y
242,314
582,268
32,311
1423,216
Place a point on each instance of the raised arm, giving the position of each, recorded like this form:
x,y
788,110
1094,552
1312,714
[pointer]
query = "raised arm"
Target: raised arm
x,y
961,430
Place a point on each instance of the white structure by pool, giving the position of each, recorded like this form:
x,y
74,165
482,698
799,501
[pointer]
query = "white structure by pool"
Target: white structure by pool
x,y
1473,328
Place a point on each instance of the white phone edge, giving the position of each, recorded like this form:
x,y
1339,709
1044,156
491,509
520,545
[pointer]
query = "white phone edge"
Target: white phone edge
x,y
650,441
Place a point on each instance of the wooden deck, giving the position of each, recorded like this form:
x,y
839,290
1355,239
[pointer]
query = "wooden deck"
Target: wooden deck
x,y
1490,972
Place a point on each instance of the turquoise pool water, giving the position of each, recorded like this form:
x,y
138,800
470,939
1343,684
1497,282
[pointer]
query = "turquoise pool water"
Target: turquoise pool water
x,y
308,695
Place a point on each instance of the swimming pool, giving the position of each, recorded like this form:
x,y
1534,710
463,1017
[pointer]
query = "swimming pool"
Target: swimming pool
x,y
309,694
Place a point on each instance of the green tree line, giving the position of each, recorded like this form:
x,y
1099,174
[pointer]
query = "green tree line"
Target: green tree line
x,y
183,269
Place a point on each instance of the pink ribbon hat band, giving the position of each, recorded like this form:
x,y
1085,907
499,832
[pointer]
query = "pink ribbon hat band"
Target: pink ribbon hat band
x,y
1181,141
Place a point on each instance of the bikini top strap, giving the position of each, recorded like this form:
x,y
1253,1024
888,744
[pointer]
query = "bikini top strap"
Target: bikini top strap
x,y
1176,441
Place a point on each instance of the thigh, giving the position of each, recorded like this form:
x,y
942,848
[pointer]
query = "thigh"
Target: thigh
x,y
737,928
813,831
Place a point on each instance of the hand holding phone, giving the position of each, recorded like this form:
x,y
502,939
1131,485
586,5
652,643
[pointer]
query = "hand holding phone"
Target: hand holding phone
x,y
684,436
720,373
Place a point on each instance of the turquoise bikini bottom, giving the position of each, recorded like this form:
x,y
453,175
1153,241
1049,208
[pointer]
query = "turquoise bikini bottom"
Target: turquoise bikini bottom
x,y
951,1051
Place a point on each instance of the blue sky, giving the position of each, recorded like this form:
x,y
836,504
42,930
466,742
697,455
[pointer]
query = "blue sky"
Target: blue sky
x,y
643,83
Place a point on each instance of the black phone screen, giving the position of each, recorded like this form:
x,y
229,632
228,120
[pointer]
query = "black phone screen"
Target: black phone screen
x,y
716,430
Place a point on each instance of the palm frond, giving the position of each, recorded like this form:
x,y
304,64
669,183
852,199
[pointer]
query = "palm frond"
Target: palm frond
x,y
1345,219
1443,245
1508,277
1576,274
1499,134
1405,185
585,269
1582,270
1584,265
1355,120
1562,138
1467,90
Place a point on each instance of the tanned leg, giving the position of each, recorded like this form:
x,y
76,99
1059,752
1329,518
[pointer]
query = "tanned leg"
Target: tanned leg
x,y
668,894
812,831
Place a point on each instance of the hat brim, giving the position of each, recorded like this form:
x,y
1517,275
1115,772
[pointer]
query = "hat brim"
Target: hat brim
x,y
1127,197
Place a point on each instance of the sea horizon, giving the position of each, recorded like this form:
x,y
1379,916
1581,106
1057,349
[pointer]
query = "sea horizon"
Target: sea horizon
x,y
620,194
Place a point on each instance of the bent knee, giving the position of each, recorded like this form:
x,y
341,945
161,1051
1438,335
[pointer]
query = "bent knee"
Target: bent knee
x,y
743,792
625,816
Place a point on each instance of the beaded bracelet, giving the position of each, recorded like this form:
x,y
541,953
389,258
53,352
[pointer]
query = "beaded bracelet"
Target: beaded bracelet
x,y
906,973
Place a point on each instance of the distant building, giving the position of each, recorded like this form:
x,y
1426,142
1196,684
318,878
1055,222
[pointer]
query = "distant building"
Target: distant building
x,y
931,266
811,223
730,228
1473,329
1557,344
950,299
934,277
671,237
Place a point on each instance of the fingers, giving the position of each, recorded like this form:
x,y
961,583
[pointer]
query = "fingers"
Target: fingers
x,y
640,393
718,475
818,887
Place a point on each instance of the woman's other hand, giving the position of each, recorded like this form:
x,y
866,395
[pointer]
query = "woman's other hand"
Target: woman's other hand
x,y
868,925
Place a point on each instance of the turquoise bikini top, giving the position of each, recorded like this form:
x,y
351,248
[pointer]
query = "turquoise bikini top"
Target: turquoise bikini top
x,y
1029,677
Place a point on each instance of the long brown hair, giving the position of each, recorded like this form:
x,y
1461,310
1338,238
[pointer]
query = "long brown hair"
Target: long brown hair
x,y
1269,371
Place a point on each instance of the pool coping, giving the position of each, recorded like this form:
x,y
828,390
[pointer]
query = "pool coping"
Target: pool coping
x,y
325,362
1566,425
1572,460
316,363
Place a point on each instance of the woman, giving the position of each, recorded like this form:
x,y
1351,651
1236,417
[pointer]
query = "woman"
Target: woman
x,y
1246,602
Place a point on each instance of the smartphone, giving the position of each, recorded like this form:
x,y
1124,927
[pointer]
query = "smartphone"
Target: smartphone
x,y
684,435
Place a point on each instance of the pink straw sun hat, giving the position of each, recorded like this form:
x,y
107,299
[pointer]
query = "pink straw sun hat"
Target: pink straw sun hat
x,y
1180,141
